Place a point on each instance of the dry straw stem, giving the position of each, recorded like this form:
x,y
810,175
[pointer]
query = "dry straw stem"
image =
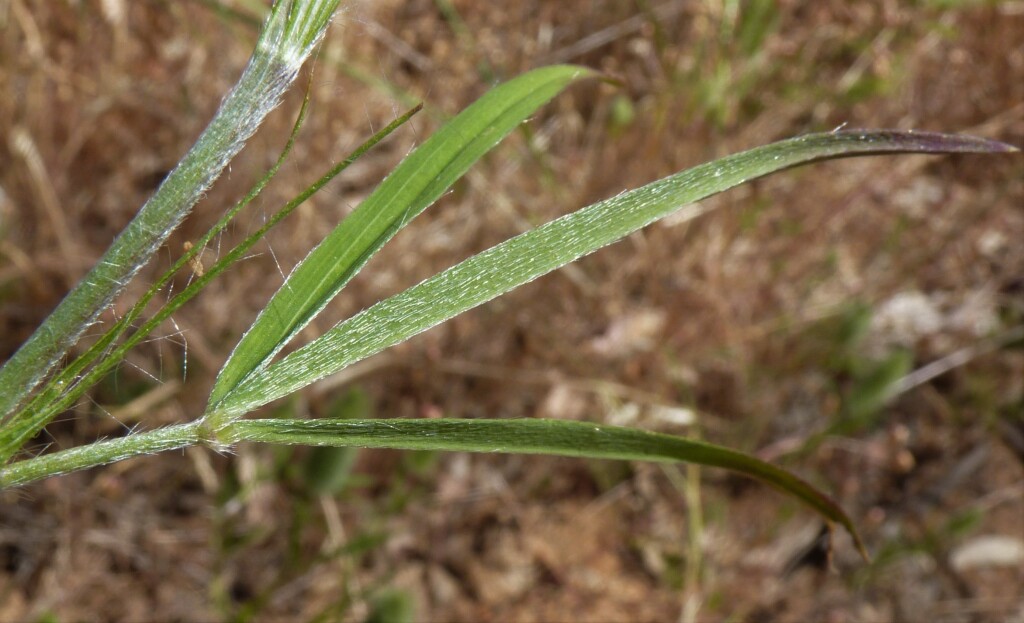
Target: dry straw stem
x,y
288,37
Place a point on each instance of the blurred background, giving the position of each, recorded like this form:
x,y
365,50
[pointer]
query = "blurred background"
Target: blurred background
x,y
859,322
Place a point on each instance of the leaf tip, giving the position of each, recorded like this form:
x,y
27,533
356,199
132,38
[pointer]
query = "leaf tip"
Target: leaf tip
x,y
859,544
918,141
960,143
615,81
996,147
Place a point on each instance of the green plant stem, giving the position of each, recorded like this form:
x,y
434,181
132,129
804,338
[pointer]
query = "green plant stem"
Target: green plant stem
x,y
288,36
100,453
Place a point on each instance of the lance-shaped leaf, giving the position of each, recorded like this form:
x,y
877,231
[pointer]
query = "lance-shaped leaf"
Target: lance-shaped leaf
x,y
556,437
416,183
554,244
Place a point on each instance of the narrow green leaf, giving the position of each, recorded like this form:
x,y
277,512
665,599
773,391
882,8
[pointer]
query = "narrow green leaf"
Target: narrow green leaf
x,y
556,437
554,244
415,184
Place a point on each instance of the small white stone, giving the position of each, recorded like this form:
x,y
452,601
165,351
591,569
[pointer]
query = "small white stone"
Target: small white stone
x,y
988,551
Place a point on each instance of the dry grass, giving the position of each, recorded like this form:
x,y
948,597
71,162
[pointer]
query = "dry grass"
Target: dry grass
x,y
734,316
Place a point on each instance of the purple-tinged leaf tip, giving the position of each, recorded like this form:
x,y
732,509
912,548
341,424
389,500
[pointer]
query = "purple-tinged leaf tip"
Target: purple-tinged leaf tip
x,y
929,142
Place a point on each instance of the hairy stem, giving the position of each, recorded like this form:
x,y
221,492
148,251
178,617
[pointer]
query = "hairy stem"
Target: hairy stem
x,y
100,453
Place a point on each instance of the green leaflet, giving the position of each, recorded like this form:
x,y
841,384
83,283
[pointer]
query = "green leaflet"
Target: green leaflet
x,y
557,437
532,254
415,184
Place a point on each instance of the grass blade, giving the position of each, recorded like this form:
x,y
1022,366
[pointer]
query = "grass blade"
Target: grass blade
x,y
535,436
415,184
523,436
554,244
